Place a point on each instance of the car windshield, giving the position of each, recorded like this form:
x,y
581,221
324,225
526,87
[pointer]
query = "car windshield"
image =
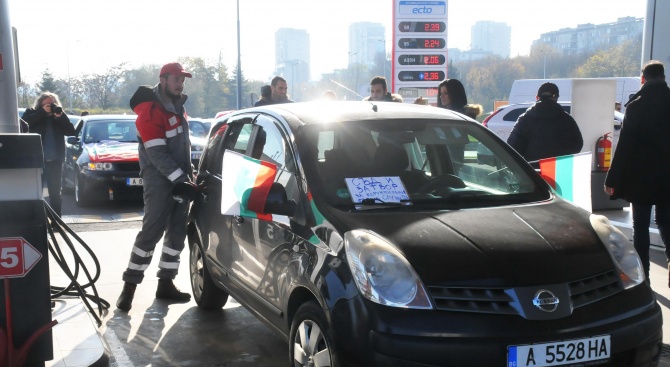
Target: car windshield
x,y
111,130
414,164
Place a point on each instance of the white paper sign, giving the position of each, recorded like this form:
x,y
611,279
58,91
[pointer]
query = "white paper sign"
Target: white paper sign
x,y
384,189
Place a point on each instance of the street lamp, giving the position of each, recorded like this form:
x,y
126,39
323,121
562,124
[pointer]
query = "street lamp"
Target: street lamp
x,y
544,72
292,78
384,61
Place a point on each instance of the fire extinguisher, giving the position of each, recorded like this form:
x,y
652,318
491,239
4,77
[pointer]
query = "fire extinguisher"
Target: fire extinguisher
x,y
604,152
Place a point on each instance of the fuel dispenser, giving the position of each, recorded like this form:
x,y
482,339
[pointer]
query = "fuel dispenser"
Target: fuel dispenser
x,y
25,306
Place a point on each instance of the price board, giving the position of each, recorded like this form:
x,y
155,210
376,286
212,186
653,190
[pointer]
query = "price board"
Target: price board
x,y
419,48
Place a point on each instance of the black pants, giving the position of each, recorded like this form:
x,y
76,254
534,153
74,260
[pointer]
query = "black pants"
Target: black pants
x,y
53,172
641,221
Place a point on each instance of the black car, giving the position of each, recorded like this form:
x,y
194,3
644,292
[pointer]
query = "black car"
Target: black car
x,y
370,235
101,161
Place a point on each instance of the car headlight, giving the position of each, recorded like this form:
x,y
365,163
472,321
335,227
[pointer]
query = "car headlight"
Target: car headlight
x,y
381,272
100,166
621,250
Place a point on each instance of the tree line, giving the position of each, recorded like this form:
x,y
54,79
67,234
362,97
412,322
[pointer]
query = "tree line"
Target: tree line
x,y
213,86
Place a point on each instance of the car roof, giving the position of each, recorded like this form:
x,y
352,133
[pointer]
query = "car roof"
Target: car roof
x,y
108,117
317,112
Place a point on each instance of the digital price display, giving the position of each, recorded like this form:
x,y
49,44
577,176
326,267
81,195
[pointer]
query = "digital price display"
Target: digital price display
x,y
422,59
419,48
420,76
419,27
412,93
422,43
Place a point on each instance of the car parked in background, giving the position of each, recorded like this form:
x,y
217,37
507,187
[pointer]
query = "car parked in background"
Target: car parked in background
x,y
370,235
503,119
101,161
198,130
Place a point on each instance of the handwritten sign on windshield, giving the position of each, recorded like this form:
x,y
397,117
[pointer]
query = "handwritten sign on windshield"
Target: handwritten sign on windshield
x,y
382,189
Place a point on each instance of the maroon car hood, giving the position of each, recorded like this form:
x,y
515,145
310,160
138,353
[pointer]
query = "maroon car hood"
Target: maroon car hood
x,y
112,151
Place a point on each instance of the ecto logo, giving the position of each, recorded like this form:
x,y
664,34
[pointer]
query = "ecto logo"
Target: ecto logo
x,y
422,8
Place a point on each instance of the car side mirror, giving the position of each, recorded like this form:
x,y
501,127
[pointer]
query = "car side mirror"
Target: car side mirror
x,y
278,203
72,140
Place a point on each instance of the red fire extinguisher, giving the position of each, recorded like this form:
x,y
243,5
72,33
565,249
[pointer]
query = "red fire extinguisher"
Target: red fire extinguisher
x,y
604,152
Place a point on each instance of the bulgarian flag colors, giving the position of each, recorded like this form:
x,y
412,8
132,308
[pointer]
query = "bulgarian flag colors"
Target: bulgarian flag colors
x,y
245,185
570,176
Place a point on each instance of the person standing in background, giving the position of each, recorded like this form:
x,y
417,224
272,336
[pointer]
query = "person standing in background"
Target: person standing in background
x,y
640,173
47,119
545,130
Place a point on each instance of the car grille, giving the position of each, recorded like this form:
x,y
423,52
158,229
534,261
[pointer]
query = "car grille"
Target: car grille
x,y
128,166
499,300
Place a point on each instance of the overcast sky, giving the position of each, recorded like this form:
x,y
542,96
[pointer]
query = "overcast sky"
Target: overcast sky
x,y
83,36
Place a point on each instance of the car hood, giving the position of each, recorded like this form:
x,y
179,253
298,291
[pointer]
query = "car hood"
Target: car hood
x,y
545,243
112,151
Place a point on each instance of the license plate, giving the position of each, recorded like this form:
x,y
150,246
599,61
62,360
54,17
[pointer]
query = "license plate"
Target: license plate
x,y
196,155
567,352
133,181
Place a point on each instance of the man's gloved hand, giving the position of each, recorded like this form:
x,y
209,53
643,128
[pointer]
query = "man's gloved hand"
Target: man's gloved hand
x,y
184,191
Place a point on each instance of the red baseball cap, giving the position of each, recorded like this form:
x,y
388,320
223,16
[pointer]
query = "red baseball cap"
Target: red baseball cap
x,y
174,68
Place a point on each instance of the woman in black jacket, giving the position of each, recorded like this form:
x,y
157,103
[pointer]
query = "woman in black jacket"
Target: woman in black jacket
x,y
47,118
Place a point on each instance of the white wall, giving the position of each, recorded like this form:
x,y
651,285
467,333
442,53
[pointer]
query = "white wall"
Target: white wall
x,y
592,109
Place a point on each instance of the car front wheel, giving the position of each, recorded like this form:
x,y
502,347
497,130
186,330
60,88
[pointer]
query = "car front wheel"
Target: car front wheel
x,y
206,294
310,343
80,195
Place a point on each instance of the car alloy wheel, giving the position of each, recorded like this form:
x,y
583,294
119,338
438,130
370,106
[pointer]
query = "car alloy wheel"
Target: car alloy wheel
x,y
205,293
311,344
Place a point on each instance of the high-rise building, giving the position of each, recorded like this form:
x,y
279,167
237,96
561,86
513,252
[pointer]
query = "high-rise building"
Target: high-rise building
x,y
367,47
492,37
367,43
292,59
590,37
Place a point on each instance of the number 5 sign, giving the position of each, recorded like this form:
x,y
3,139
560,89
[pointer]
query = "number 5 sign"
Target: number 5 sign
x,y
17,257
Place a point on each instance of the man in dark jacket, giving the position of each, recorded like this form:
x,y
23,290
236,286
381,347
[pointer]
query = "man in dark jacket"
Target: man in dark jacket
x,y
379,91
266,96
165,166
640,172
545,130
48,119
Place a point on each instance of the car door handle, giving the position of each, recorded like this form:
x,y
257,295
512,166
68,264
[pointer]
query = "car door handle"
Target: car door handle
x,y
239,219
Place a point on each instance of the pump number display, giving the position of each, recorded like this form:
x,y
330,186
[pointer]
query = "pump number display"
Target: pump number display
x,y
568,352
17,257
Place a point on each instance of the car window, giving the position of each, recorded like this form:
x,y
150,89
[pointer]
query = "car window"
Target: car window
x,y
514,114
435,160
112,130
197,129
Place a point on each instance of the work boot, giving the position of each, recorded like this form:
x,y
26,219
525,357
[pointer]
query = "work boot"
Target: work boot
x,y
126,298
167,290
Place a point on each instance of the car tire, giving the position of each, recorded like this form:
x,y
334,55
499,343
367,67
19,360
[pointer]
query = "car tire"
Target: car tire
x,y
309,323
65,187
205,293
81,197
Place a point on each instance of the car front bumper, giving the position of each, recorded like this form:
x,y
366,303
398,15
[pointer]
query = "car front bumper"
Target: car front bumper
x,y
111,185
388,336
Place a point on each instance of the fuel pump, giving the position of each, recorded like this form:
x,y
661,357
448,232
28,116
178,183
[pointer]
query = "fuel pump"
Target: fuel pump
x,y
25,304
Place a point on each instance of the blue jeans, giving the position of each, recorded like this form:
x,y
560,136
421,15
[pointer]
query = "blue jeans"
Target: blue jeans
x,y
641,222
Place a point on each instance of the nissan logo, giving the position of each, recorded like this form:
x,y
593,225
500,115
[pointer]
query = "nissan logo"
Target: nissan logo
x,y
545,301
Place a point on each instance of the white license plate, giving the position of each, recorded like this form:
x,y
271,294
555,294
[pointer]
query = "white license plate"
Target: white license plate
x,y
133,181
196,155
561,353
